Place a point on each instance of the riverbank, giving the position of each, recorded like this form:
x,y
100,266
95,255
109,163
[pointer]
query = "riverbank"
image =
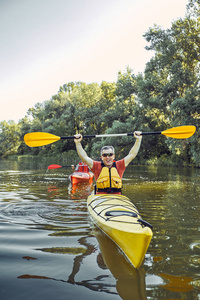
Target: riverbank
x,y
71,157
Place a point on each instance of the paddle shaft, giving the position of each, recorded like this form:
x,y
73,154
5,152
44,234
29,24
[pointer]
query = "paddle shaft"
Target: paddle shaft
x,y
109,135
65,166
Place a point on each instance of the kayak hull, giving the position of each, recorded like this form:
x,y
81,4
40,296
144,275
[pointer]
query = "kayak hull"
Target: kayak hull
x,y
80,177
118,217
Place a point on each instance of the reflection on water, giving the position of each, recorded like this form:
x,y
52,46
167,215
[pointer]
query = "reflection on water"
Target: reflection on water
x,y
48,241
129,281
80,191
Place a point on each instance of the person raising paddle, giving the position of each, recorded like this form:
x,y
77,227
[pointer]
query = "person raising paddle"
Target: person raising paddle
x,y
108,172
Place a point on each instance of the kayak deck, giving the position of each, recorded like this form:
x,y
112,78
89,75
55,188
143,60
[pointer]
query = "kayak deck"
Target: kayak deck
x,y
79,177
119,218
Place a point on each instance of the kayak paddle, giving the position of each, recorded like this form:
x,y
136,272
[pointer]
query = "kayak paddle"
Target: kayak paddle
x,y
57,167
37,139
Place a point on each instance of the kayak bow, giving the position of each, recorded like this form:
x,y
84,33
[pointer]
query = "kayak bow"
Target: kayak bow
x,y
118,217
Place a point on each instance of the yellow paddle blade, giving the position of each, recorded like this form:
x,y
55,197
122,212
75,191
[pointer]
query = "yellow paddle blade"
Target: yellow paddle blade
x,y
37,139
181,132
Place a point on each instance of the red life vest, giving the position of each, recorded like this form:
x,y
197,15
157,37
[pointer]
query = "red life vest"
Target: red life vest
x,y
82,167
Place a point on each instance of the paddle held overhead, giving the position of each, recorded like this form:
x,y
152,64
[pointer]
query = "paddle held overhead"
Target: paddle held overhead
x,y
37,139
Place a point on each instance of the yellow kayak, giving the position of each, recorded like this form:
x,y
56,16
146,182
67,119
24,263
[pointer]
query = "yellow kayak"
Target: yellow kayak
x,y
118,217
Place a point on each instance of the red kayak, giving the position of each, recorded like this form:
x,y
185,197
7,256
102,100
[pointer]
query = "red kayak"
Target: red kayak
x,y
81,174
79,177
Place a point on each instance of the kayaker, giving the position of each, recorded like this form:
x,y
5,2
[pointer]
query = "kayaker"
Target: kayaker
x,y
108,172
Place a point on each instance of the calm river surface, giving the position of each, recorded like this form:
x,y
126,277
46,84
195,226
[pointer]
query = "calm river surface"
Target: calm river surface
x,y
50,250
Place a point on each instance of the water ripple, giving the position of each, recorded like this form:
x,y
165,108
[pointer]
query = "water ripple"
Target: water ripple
x,y
46,213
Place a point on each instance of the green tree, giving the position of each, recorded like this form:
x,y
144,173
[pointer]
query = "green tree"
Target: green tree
x,y
126,89
9,138
170,86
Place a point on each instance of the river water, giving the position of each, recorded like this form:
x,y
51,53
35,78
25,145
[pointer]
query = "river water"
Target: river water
x,y
49,248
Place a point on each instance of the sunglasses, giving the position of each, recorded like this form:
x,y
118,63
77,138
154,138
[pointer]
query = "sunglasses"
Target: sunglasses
x,y
107,154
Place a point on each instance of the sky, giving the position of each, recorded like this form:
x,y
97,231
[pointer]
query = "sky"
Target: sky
x,y
47,43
